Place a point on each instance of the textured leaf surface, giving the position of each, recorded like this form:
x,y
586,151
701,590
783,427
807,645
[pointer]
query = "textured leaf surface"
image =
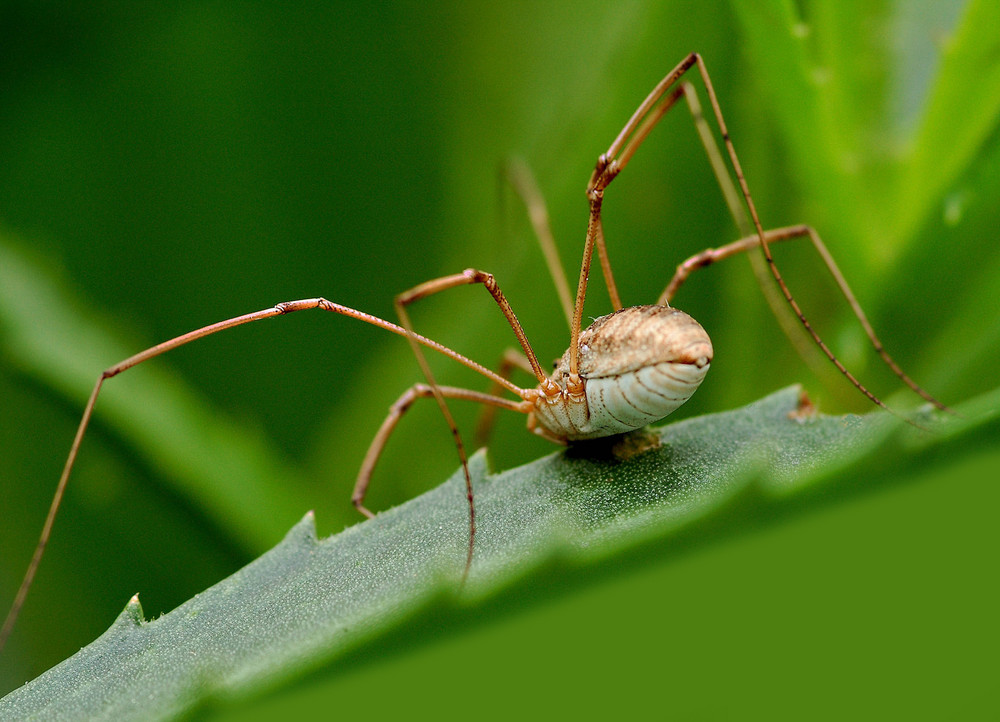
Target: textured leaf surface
x,y
307,600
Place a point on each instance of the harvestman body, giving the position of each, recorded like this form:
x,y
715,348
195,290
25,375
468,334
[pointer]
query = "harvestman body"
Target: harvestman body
x,y
626,370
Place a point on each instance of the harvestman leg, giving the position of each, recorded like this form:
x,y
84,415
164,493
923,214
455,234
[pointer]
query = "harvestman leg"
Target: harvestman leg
x,y
608,166
400,407
523,182
638,127
713,255
278,310
511,361
710,256
432,388
517,173
470,276
521,179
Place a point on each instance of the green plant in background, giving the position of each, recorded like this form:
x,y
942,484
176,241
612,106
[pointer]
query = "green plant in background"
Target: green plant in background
x,y
262,146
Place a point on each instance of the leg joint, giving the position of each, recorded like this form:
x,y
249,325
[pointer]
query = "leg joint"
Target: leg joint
x,y
476,276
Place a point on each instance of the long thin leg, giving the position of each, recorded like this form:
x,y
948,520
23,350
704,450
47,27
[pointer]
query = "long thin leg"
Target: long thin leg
x,y
609,164
620,152
523,182
278,310
472,276
512,360
745,188
467,277
731,196
713,255
520,177
438,394
789,324
606,170
400,407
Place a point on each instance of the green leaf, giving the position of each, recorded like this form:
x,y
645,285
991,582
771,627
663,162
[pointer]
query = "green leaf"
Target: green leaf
x,y
878,134
309,601
959,119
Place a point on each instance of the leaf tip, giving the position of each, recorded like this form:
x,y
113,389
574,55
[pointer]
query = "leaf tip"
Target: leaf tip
x,y
132,613
805,410
304,531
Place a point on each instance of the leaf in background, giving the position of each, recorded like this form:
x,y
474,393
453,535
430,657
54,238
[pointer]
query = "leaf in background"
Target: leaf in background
x,y
819,89
959,118
829,80
47,336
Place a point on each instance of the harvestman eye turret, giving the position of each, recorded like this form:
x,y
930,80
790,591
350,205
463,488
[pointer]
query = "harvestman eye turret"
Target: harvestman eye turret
x,y
626,370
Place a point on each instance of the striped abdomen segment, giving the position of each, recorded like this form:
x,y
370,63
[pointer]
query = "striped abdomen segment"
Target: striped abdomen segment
x,y
632,400
637,365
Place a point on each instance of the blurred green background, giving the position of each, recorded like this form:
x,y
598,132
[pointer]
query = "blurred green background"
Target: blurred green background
x,y
166,166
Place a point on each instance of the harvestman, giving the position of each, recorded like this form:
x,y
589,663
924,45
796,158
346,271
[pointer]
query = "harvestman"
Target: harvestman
x,y
626,370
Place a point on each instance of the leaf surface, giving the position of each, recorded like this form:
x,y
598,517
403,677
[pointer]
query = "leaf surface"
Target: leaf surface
x,y
308,601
